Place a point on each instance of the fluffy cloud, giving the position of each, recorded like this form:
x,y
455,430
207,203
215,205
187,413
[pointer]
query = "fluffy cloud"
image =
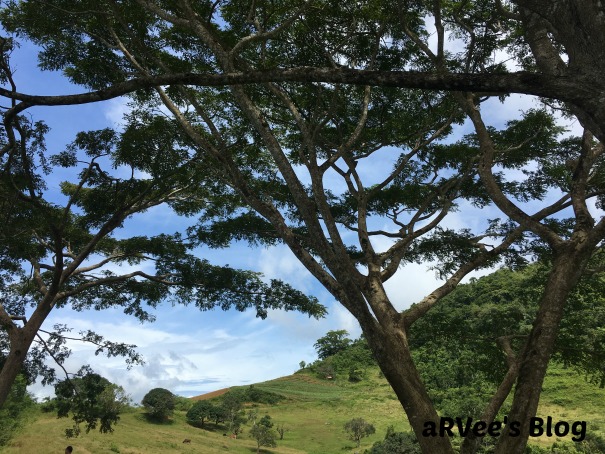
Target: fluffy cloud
x,y
191,358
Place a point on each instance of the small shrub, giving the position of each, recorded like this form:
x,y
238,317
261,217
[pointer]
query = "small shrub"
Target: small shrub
x,y
396,443
356,375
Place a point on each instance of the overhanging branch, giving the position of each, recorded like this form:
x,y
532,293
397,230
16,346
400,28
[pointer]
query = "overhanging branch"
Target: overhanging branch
x,y
564,88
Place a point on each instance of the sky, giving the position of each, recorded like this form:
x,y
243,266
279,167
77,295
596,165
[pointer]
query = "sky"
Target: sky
x,y
191,352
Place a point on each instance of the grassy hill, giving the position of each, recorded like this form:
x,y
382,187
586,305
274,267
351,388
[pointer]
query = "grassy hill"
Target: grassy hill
x,y
313,412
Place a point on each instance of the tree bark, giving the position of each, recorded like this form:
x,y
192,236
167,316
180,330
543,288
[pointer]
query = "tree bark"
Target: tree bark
x,y
393,355
21,339
577,89
567,269
19,346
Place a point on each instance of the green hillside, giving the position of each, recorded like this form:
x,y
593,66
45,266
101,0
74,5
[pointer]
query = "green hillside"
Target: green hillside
x,y
313,412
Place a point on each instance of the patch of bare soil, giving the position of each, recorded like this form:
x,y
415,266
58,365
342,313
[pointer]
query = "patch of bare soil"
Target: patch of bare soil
x,y
211,395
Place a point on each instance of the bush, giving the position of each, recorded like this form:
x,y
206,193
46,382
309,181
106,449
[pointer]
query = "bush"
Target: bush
x,y
159,403
266,421
396,443
351,359
326,370
356,375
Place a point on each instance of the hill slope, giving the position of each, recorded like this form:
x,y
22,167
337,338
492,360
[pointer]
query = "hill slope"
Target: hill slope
x,y
313,412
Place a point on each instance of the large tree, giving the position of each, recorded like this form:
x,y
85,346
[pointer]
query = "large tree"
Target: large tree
x,y
67,248
296,162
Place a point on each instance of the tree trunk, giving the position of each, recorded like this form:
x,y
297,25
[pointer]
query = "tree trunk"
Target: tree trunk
x,y
393,355
565,274
19,347
20,340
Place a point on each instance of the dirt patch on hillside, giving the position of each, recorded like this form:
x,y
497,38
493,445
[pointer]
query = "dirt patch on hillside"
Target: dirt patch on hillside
x,y
211,395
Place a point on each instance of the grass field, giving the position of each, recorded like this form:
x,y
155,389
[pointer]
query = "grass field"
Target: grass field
x,y
313,413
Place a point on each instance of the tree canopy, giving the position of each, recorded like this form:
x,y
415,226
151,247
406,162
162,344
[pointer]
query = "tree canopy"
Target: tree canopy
x,y
90,399
159,403
332,343
282,113
201,411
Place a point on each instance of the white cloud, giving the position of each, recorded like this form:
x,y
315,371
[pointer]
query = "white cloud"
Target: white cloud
x,y
346,321
278,262
115,109
192,362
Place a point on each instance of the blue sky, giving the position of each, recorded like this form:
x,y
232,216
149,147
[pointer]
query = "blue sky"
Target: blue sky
x,y
191,352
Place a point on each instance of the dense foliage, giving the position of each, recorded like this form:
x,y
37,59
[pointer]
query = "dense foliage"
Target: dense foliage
x,y
332,343
253,394
159,403
200,412
90,400
460,357
348,358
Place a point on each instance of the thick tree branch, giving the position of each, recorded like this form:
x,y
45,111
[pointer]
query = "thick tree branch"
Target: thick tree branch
x,y
566,88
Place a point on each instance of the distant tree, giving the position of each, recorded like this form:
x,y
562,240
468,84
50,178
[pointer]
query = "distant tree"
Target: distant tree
x,y
281,430
266,421
253,415
357,356
48,405
201,411
332,343
347,357
356,375
358,428
236,425
159,403
263,435
302,364
90,399
232,411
